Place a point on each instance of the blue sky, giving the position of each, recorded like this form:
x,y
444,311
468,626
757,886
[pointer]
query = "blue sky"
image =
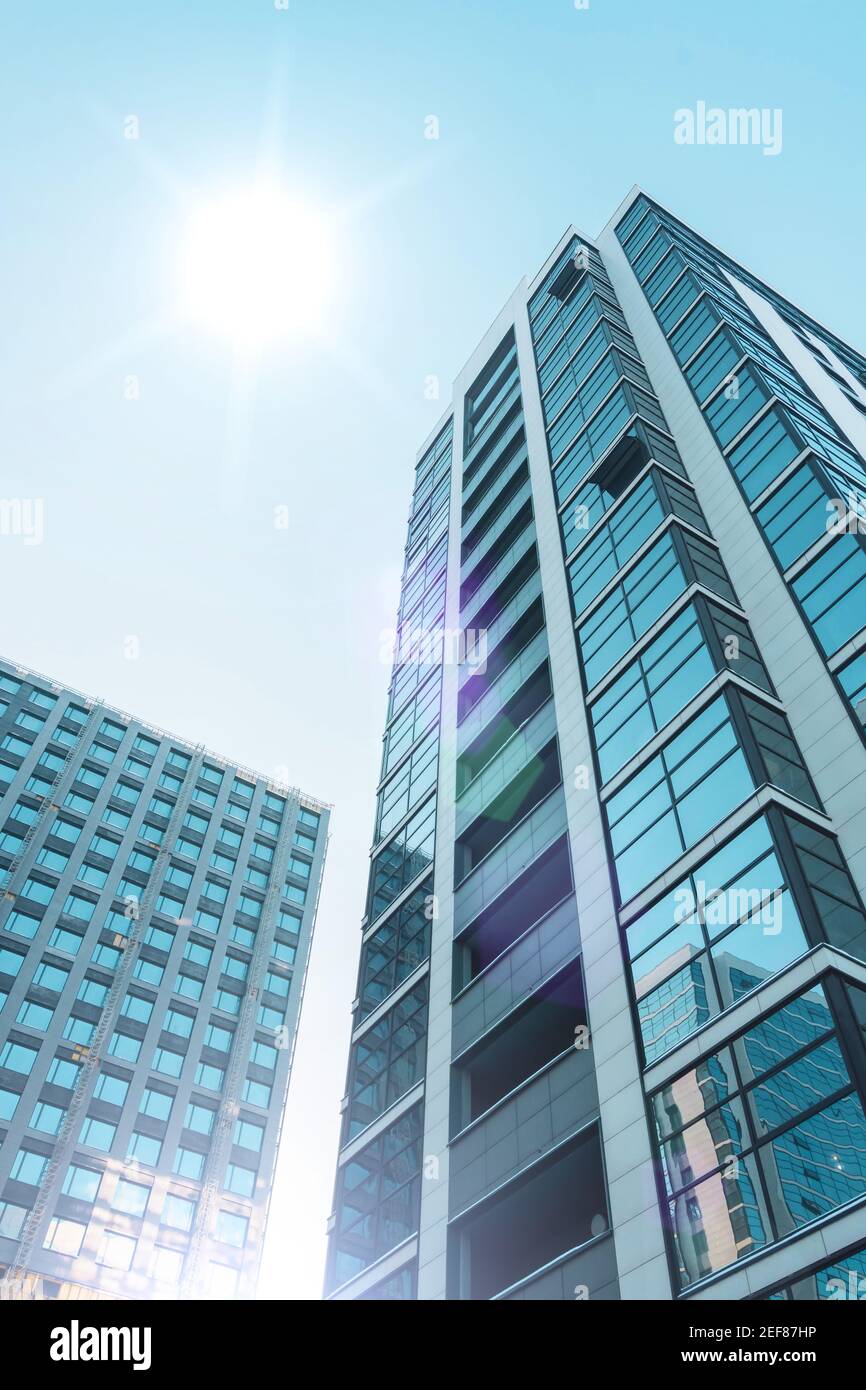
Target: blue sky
x,y
264,644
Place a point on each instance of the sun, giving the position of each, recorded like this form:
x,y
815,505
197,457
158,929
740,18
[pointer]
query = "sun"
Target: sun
x,y
257,266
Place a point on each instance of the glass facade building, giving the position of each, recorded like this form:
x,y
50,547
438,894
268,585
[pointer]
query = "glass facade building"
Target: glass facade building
x,y
156,916
609,1028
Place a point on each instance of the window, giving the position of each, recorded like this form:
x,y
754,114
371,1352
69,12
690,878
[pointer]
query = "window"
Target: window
x,y
698,778
387,1060
178,1212
81,1183
219,1038
231,1228
131,1197
156,1103
116,1251
404,857
179,1023
11,1220
257,1093
144,1148
188,986
8,1103
249,1134
78,906
188,1163
217,891
654,687
198,952
47,1118
138,1008
64,1237
199,1118
125,1047
167,1062
92,991
29,1167
378,1197
97,1134
780,1101
209,1076
733,921
49,976
277,984
113,1089
167,1265
208,921
148,971
63,1073
832,591
240,1180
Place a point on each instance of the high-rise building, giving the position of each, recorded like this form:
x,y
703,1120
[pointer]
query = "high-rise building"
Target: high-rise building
x,y
609,1030
157,910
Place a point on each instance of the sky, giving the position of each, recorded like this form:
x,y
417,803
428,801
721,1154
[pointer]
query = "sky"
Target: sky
x,y
161,459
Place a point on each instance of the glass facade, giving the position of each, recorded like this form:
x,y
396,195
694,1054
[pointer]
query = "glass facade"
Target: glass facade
x,y
377,1191
657,822
803,478
156,920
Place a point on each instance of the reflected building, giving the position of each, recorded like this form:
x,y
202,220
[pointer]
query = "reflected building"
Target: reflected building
x,y
608,1033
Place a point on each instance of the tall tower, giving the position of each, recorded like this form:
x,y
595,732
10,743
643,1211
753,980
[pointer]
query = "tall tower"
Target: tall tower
x,y
609,1029
157,911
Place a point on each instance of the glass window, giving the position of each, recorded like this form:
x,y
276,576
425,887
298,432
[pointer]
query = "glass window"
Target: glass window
x,y
97,1134
239,1180
29,1167
144,1148
832,591
116,1250
387,1060
403,858
188,1163
853,681
81,1183
178,1212
64,1237
779,1105
378,1197
167,1265
156,1103
727,927
249,1134
697,779
113,1089
131,1197
231,1228
199,1118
